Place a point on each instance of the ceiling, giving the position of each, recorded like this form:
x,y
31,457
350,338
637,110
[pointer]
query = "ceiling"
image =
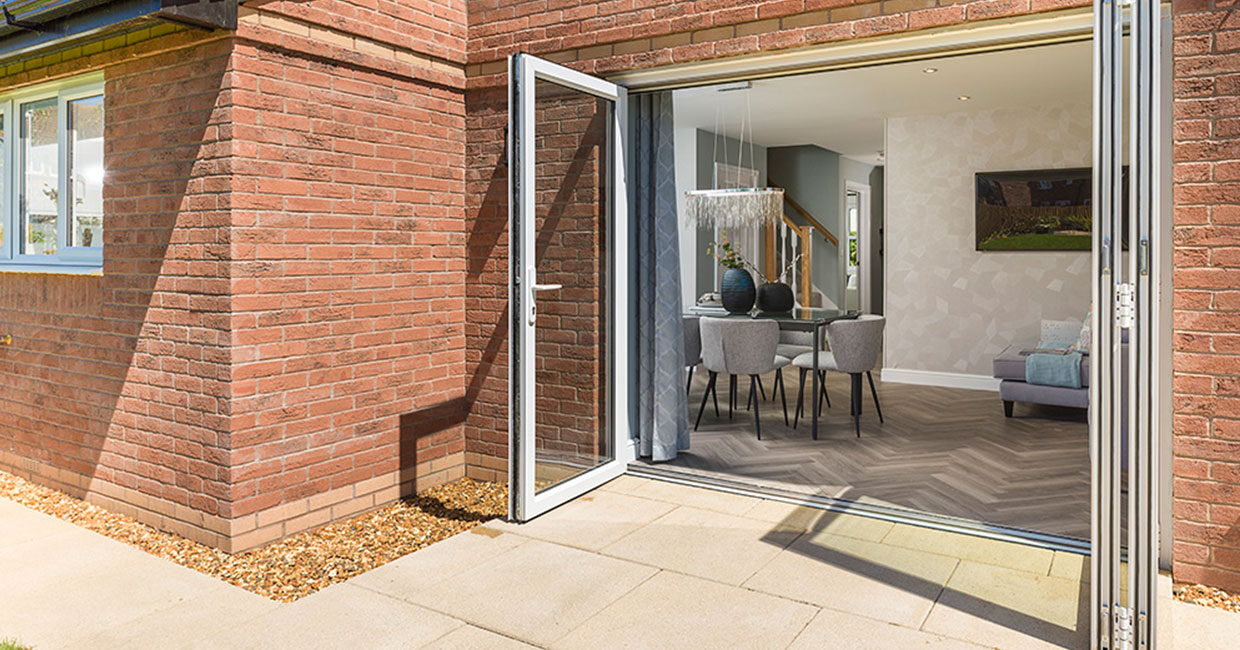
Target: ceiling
x,y
844,110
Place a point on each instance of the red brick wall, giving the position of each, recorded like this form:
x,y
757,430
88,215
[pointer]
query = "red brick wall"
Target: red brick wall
x,y
571,221
277,339
1206,431
122,379
348,277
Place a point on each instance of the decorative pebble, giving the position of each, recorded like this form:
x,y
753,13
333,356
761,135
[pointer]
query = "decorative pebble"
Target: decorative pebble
x,y
304,563
1207,597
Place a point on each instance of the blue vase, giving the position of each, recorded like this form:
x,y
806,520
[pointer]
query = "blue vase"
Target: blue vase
x,y
738,291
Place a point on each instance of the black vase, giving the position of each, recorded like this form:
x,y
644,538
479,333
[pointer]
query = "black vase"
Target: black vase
x,y
775,297
737,291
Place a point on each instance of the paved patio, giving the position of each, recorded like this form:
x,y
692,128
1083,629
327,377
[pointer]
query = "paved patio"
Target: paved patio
x,y
635,564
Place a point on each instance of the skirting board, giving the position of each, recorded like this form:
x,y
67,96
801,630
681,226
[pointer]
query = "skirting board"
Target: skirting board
x,y
944,379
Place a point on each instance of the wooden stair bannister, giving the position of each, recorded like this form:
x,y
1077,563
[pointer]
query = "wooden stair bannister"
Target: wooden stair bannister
x,y
774,246
806,215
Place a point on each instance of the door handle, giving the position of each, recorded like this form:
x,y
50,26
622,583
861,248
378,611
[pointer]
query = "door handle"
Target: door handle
x,y
532,313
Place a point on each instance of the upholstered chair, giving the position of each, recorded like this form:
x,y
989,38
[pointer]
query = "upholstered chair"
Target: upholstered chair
x,y
737,346
693,347
854,347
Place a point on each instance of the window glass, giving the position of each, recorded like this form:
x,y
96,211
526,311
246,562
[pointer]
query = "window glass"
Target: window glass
x,y
86,171
40,177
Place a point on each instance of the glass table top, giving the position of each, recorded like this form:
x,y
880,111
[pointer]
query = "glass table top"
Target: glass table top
x,y
796,315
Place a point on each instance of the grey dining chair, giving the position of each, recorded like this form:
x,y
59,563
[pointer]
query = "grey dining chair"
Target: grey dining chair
x,y
854,347
733,347
693,347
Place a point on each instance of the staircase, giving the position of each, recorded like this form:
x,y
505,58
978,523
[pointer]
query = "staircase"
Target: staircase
x,y
791,242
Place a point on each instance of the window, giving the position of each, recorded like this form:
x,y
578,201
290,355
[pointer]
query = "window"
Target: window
x,y
51,168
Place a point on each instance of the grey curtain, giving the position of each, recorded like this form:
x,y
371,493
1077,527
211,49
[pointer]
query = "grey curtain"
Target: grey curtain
x,y
662,418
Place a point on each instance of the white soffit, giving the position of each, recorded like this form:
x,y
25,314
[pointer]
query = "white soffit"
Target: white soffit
x,y
845,110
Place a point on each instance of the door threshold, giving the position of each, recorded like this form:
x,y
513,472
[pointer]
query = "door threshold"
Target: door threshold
x,y
874,511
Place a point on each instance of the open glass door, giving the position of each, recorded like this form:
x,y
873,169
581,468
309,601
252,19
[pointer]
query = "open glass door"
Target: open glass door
x,y
568,225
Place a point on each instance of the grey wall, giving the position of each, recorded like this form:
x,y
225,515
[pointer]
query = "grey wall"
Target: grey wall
x,y
710,149
949,307
811,176
876,239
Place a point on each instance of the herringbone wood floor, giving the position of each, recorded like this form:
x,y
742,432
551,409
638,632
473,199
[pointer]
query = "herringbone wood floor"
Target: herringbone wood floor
x,y
942,450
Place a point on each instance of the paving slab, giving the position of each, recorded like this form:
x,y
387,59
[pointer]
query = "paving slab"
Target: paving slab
x,y
438,562
832,629
34,525
673,610
818,520
74,583
684,495
184,624
468,637
969,547
591,521
889,583
340,616
536,592
995,606
705,543
1201,628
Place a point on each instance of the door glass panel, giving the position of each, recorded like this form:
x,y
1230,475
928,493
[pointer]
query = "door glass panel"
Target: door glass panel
x,y
572,181
86,171
40,177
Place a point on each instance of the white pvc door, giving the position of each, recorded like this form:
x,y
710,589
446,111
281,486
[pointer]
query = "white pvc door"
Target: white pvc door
x,y
568,225
1129,260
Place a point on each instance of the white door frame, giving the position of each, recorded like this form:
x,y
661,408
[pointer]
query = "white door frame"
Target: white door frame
x,y
864,257
1128,385
525,501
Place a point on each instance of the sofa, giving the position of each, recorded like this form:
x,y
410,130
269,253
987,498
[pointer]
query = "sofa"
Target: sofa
x,y
1009,369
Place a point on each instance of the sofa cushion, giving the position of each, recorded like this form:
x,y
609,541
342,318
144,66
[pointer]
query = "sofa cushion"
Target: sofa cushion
x,y
1010,363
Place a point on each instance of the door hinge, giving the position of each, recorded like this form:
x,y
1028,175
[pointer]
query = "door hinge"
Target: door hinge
x,y
1125,304
1123,628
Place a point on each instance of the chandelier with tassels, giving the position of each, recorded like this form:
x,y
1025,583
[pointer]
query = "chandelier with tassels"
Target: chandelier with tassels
x,y
732,207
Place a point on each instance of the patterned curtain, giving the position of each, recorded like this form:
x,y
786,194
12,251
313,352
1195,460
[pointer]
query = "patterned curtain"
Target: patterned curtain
x,y
663,420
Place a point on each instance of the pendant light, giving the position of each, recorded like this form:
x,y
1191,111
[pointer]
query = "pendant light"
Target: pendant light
x,y
733,207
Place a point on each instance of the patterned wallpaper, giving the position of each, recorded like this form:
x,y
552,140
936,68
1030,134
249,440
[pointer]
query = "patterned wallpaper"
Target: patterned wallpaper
x,y
950,308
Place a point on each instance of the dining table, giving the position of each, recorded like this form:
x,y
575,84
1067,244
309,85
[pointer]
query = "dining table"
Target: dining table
x,y
800,319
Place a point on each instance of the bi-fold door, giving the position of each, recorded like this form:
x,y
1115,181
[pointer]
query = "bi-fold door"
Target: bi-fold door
x,y
1128,259
568,340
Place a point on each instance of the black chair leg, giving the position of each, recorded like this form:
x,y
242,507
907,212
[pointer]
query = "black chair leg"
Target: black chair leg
x,y
762,389
856,401
822,391
710,385
1007,408
689,381
753,397
873,392
796,416
713,389
731,394
783,392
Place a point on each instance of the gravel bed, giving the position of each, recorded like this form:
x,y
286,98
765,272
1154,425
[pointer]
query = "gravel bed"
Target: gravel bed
x,y
302,564
1207,597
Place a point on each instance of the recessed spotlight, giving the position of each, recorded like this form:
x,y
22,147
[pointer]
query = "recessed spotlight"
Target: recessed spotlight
x,y
929,70
964,98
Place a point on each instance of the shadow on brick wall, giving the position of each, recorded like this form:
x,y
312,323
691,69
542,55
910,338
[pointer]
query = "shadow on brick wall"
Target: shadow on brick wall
x,y
120,377
428,435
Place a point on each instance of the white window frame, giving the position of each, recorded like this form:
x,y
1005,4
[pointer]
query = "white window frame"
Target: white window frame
x,y
75,259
